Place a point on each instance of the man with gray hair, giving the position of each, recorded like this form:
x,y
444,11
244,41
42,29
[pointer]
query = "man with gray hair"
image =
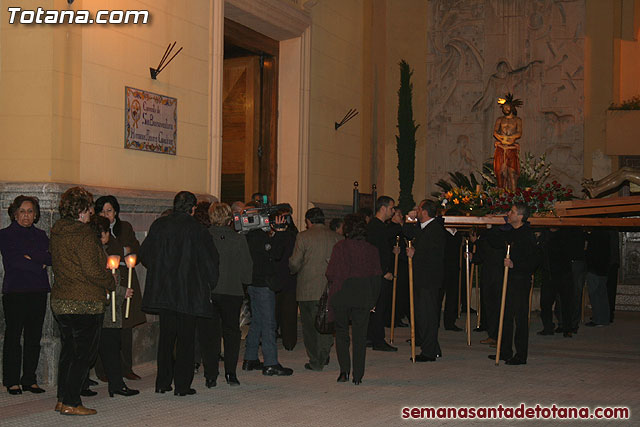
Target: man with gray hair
x,y
309,260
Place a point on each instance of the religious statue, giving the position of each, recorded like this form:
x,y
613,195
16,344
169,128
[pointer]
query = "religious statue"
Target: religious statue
x,y
506,158
611,181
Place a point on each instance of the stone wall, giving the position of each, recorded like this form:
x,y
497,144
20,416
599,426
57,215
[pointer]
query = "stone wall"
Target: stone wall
x,y
480,49
140,208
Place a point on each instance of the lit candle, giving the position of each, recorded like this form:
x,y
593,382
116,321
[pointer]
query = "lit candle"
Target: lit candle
x,y
113,261
130,260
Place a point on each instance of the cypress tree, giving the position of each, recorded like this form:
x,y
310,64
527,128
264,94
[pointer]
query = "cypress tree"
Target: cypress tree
x,y
406,139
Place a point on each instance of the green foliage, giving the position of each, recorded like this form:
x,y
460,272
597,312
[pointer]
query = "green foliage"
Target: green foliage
x,y
629,104
406,139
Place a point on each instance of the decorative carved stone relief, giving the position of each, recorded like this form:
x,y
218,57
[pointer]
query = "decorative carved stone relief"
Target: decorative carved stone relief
x,y
481,49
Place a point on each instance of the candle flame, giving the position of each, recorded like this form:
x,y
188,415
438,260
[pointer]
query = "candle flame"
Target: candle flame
x,y
113,261
501,101
131,260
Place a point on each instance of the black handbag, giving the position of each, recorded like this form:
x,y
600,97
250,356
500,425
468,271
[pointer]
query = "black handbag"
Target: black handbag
x,y
323,325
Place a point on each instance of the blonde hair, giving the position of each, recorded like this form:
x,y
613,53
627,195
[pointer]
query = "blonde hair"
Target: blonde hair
x,y
220,214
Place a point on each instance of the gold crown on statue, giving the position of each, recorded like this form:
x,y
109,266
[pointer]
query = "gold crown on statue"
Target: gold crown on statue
x,y
508,99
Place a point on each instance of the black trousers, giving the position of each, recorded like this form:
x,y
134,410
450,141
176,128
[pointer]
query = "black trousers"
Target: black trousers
x,y
427,312
109,350
516,309
359,318
126,350
177,330
224,324
402,290
23,316
556,284
378,319
450,289
612,287
287,317
80,336
491,294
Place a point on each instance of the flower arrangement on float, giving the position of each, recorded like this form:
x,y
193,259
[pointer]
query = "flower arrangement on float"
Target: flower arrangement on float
x,y
471,197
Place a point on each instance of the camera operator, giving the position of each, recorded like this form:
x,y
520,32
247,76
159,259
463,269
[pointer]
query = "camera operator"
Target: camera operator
x,y
263,249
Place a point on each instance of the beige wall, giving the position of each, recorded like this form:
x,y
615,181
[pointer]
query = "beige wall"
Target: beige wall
x,y
336,76
62,91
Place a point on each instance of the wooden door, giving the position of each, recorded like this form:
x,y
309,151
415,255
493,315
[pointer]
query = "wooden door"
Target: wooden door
x,y
240,128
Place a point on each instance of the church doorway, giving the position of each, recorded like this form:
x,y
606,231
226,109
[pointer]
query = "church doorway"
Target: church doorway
x,y
249,113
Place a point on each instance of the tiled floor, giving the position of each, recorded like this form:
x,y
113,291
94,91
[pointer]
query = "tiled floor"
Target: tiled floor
x,y
598,367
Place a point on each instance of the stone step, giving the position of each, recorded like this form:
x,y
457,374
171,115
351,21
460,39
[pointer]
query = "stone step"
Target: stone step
x,y
628,289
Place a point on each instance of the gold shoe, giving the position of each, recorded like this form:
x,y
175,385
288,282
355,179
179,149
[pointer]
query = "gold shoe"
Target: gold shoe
x,y
58,406
77,410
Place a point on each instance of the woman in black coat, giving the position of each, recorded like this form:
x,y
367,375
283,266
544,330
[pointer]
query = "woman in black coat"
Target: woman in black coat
x,y
122,231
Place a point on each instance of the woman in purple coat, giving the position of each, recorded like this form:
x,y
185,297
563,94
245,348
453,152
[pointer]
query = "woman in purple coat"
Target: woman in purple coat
x,y
25,255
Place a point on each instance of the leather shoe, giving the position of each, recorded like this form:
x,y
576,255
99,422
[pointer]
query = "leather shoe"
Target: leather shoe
x,y
132,376
503,358
34,388
384,347
424,358
515,360
87,393
357,381
250,365
211,382
488,341
189,392
163,389
567,334
308,367
545,332
77,410
344,377
124,391
232,379
278,370
453,328
593,324
58,407
14,391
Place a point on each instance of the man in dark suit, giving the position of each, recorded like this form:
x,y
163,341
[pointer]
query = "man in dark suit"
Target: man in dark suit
x,y
428,272
379,235
182,270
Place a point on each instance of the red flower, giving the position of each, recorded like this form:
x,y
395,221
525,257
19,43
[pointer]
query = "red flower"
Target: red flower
x,y
547,186
554,182
550,198
540,206
569,191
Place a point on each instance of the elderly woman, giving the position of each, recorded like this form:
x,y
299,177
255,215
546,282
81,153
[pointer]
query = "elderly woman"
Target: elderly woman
x,y
235,269
25,255
78,295
123,235
354,284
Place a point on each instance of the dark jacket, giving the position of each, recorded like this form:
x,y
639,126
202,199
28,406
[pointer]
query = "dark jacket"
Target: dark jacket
x,y
126,237
523,252
182,264
81,278
428,260
380,236
235,261
22,274
286,240
598,252
556,256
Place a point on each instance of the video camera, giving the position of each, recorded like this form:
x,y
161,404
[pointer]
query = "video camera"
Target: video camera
x,y
261,217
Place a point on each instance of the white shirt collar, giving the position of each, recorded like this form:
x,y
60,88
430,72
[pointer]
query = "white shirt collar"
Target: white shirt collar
x,y
424,224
